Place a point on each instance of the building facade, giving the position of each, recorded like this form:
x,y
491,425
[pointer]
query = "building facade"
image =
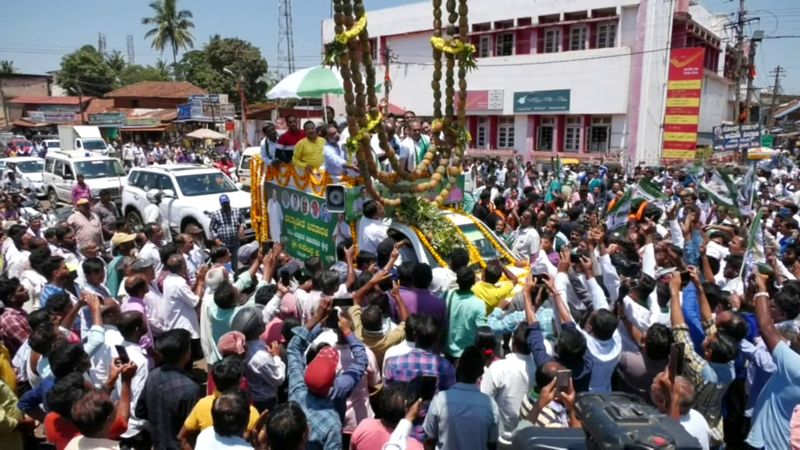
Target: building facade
x,y
16,84
583,79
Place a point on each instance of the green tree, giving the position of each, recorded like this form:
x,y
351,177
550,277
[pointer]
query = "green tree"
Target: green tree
x,y
171,28
134,73
7,66
116,61
85,71
163,68
205,68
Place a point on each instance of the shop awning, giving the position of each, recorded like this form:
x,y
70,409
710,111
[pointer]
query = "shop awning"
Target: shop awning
x,y
25,123
143,129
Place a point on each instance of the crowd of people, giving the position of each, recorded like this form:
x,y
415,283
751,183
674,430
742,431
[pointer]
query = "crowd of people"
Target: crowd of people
x,y
137,339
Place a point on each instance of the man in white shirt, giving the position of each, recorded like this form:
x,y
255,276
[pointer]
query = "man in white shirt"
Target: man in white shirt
x,y
372,230
526,241
508,380
152,213
269,143
181,301
677,399
150,250
132,327
335,155
413,147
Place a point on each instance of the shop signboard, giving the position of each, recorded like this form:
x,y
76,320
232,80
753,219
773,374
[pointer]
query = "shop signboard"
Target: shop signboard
x,y
142,122
52,116
542,101
306,224
483,100
107,119
682,114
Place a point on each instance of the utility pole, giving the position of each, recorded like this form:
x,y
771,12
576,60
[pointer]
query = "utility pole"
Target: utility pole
x,y
778,73
758,36
741,21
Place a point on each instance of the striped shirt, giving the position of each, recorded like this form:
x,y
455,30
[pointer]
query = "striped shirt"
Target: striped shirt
x,y
710,380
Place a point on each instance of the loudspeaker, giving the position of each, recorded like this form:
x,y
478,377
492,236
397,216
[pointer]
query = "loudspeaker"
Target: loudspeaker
x,y
335,197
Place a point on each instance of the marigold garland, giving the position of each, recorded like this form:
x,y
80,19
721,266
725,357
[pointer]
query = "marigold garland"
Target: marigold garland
x,y
358,27
352,142
485,230
474,254
429,247
465,52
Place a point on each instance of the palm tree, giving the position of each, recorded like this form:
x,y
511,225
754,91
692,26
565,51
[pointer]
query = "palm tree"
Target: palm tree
x,y
7,66
116,61
171,28
163,68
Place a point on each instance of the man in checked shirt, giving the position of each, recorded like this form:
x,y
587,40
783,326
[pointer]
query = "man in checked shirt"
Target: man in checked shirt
x,y
227,226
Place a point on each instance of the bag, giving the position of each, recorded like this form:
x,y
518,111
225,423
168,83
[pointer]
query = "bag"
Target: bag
x,y
622,421
535,438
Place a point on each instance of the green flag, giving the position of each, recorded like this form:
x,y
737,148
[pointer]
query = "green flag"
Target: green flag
x,y
617,216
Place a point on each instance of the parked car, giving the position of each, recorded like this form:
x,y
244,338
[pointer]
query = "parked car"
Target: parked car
x,y
190,195
100,172
29,171
243,170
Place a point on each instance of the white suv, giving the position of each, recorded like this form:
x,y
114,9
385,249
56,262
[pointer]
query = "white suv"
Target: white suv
x,y
190,195
99,172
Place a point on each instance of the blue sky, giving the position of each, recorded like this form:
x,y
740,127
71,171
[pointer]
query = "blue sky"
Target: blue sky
x,y
40,32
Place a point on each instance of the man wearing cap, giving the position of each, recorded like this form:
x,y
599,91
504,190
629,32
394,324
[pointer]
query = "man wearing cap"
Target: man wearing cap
x,y
87,226
121,246
227,226
81,190
316,387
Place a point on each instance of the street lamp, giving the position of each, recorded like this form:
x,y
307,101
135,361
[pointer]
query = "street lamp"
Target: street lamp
x,y
242,102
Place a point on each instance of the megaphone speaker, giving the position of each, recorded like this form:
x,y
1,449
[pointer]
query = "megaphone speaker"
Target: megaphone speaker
x,y
335,198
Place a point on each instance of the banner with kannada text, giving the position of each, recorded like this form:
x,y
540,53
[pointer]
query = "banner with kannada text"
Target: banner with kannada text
x,y
682,115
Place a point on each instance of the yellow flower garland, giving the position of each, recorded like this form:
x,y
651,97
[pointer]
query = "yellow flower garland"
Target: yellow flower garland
x,y
497,245
352,142
358,27
430,248
455,47
474,254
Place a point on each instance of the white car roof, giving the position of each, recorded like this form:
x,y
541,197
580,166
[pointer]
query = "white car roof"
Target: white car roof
x,y
22,159
251,151
180,169
77,156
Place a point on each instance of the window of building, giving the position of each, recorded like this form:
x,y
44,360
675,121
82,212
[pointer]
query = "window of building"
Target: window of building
x,y
505,132
505,44
547,130
484,46
572,134
552,40
606,35
483,132
577,37
600,134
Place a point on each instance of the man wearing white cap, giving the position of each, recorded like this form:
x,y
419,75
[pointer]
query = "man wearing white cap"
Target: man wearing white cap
x,y
152,213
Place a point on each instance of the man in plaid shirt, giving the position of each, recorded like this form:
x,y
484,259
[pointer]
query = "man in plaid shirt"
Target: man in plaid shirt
x,y
421,360
227,226
14,328
712,372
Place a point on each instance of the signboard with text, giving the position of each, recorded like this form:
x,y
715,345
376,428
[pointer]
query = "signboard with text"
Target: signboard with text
x,y
307,226
542,101
484,100
736,137
52,116
110,118
682,115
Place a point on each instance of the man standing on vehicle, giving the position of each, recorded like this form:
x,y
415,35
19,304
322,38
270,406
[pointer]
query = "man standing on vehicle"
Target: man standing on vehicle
x,y
287,141
227,226
81,190
269,145
308,151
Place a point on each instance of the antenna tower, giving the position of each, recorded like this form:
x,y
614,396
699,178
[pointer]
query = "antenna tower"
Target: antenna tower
x,y
129,48
285,35
101,43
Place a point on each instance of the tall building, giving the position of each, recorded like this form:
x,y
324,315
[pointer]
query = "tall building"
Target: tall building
x,y
578,78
